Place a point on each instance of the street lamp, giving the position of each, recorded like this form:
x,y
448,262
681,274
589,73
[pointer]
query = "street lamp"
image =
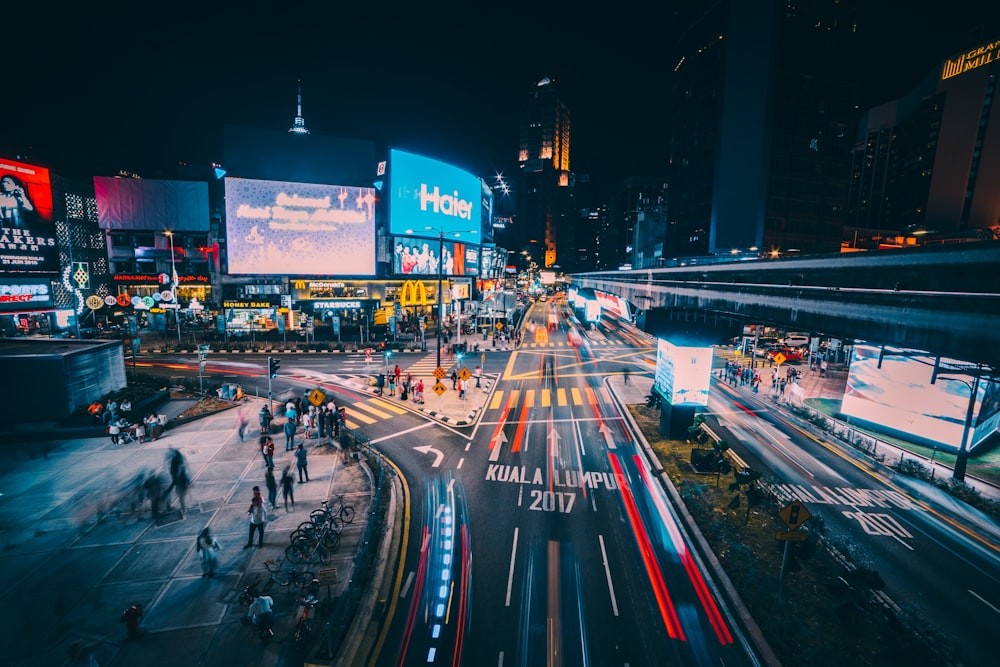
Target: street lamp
x,y
173,269
962,457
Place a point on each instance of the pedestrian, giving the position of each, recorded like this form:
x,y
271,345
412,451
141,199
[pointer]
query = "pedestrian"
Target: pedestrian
x,y
208,547
114,431
179,480
625,375
479,377
287,487
418,395
397,372
290,434
267,451
264,417
153,486
132,618
822,368
321,421
454,379
241,422
303,464
140,432
392,384
257,518
272,487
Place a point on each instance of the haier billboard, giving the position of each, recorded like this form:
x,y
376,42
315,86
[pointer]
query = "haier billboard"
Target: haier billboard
x,y
429,198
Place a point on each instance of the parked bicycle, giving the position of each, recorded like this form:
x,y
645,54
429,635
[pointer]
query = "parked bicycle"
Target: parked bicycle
x,y
288,576
341,514
315,545
303,627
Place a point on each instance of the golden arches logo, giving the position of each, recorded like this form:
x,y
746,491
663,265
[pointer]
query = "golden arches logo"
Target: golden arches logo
x,y
414,293
299,284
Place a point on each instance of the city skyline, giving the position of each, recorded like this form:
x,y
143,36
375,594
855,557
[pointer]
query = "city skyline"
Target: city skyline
x,y
143,102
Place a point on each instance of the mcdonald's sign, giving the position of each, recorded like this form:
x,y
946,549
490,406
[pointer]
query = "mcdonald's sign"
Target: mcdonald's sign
x,y
414,293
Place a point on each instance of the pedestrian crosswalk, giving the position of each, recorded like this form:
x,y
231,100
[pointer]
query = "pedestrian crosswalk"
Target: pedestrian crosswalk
x,y
370,410
544,398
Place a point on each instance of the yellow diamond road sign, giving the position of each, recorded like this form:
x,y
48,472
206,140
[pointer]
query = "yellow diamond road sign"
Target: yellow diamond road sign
x,y
464,373
316,397
439,372
794,514
439,388
779,358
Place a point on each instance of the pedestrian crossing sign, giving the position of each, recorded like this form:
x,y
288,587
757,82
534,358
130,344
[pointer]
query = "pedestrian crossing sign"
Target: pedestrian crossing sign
x,y
464,373
316,397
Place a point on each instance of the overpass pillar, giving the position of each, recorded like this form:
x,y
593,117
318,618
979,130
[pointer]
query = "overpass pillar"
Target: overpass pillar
x,y
676,419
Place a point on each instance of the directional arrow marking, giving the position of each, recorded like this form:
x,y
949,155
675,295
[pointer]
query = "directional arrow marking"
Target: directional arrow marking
x,y
438,454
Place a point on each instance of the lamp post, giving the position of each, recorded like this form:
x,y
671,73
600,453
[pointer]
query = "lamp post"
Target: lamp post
x,y
962,457
173,278
440,280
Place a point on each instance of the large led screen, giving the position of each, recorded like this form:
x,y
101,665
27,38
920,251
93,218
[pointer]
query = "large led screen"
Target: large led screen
x,y
683,374
899,397
28,232
274,227
411,256
429,198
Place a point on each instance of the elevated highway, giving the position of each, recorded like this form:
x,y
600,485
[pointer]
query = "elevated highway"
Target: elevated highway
x,y
944,300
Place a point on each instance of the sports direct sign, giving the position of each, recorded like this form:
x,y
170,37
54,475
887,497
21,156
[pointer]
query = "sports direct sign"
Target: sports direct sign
x,y
428,198
19,295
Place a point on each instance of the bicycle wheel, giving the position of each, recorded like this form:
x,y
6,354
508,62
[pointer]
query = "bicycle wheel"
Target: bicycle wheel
x,y
331,540
320,517
347,513
298,552
302,631
301,580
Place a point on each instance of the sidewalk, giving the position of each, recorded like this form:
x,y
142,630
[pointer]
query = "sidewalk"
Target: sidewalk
x,y
77,547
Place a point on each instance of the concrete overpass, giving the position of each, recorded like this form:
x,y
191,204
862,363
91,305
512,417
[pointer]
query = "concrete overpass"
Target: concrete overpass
x,y
944,300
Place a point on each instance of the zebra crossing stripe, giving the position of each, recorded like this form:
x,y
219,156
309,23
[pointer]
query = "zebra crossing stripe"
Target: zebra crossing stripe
x,y
591,397
359,416
497,399
529,398
372,410
577,398
388,406
546,399
561,397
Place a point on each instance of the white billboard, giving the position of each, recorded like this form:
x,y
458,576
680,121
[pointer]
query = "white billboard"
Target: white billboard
x,y
683,374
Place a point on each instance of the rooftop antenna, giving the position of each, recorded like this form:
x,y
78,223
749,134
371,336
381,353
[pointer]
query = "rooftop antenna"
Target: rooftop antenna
x,y
299,124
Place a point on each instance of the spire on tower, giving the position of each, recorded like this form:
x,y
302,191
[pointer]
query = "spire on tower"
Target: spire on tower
x,y
299,124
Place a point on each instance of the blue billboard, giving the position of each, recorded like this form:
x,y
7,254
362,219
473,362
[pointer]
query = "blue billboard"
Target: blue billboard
x,y
429,198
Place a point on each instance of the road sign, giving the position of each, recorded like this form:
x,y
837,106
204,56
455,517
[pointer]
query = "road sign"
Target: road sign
x,y
327,576
439,388
794,514
779,358
790,536
464,373
439,373
316,397
499,326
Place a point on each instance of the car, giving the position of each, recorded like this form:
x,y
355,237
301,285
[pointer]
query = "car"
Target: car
x,y
792,356
795,340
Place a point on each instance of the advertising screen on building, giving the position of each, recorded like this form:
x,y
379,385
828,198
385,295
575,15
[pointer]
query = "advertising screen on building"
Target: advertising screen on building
x,y
428,198
683,374
274,227
28,232
899,396
413,256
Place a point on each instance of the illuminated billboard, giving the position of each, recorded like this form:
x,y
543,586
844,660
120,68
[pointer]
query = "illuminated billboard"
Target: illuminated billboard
x,y
275,227
683,374
28,232
412,256
896,395
429,198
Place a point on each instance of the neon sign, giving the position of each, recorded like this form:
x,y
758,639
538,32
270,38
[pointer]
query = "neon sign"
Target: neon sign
x,y
970,60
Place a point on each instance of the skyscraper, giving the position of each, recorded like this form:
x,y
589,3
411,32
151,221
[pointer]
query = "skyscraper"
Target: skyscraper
x,y
545,187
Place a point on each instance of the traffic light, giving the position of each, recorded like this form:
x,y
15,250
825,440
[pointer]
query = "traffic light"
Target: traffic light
x,y
272,366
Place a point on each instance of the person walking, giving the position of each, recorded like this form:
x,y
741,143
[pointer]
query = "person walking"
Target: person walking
x,y
290,434
257,519
303,463
479,377
208,547
625,375
272,487
241,422
267,451
287,487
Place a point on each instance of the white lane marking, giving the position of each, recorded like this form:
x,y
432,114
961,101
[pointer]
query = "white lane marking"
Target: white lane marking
x,y
510,575
980,598
607,572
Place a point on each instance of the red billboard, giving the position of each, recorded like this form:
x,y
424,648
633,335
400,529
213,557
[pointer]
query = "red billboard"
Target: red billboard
x,y
28,234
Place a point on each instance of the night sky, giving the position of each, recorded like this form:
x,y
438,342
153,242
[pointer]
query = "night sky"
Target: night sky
x,y
103,86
